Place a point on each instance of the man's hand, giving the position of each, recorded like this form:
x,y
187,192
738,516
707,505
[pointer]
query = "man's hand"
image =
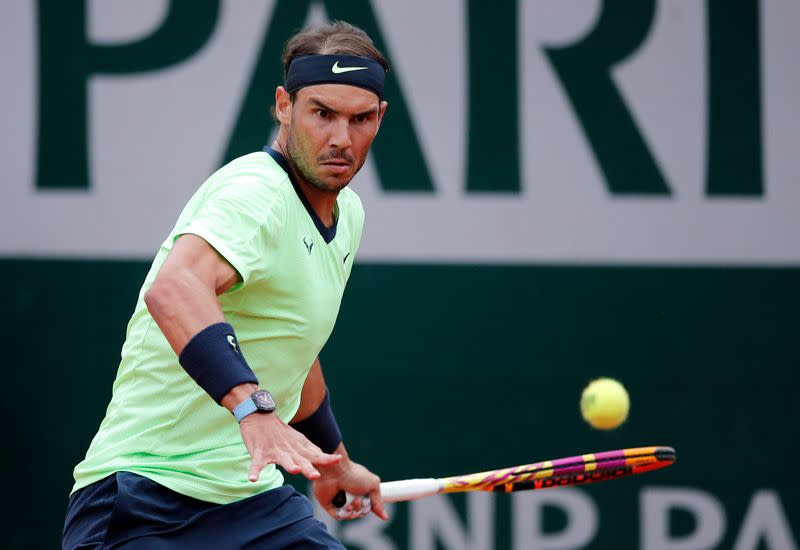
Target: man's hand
x,y
352,478
271,441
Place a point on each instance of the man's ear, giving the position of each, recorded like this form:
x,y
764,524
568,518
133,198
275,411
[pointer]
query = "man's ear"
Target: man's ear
x,y
283,105
381,111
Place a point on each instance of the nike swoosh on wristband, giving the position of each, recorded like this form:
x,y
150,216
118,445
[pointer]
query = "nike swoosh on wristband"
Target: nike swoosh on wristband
x,y
336,69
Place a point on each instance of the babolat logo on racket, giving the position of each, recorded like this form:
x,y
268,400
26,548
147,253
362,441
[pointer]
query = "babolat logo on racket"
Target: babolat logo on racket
x,y
563,481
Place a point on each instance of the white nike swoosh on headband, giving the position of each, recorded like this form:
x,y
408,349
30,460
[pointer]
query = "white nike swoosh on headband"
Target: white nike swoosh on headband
x,y
336,69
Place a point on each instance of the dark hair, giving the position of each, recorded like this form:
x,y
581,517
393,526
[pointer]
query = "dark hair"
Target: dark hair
x,y
338,37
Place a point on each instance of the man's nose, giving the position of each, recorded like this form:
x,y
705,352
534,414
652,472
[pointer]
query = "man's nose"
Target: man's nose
x,y
340,135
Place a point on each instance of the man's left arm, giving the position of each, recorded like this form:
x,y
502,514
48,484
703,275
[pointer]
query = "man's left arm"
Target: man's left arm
x,y
315,420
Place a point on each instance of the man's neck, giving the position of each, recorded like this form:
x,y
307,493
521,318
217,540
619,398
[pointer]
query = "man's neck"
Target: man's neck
x,y
323,202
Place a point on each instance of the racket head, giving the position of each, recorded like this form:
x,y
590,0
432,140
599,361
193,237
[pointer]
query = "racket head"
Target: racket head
x,y
574,470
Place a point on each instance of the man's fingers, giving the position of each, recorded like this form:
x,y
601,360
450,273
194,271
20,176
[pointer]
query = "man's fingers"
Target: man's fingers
x,y
256,465
295,463
324,459
308,470
286,461
311,449
277,443
366,507
377,505
357,508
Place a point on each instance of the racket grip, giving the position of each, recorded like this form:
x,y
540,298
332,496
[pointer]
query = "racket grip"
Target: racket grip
x,y
397,491
340,500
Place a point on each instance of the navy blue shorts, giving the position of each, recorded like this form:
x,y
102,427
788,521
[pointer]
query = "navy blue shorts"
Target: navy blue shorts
x,y
129,511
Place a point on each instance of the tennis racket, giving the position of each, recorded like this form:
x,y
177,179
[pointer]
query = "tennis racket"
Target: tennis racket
x,y
562,472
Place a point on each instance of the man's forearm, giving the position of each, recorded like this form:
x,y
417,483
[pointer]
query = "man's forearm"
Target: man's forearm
x,y
314,418
182,306
313,392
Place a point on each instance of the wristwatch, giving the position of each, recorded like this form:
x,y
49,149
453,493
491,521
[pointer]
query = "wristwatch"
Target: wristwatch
x,y
260,401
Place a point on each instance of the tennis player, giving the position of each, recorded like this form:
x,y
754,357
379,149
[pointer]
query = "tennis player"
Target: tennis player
x,y
219,380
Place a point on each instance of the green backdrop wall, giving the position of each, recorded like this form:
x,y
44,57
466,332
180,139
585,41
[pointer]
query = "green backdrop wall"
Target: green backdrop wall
x,y
438,370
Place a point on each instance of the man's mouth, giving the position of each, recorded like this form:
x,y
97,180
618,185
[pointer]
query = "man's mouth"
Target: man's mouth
x,y
336,166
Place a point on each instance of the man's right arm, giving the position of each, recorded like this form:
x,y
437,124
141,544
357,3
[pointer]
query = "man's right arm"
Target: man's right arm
x,y
183,296
183,302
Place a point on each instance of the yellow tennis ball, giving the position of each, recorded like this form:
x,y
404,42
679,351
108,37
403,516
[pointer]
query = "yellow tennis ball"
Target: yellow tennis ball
x,y
605,403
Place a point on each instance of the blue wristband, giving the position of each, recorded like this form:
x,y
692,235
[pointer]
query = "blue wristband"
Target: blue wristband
x,y
213,359
320,428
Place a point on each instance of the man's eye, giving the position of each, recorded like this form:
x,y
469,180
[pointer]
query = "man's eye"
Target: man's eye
x,y
361,118
323,113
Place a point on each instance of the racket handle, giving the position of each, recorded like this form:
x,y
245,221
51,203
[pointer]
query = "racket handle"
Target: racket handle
x,y
409,489
396,491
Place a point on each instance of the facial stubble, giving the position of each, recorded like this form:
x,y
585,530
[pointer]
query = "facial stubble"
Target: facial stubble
x,y
302,163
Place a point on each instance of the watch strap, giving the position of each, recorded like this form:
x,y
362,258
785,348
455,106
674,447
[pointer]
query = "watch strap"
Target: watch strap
x,y
245,408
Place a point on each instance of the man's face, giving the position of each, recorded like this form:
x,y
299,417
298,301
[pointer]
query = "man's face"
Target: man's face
x,y
330,130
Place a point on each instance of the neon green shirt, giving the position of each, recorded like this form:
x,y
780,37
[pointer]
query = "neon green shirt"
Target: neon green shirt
x,y
162,425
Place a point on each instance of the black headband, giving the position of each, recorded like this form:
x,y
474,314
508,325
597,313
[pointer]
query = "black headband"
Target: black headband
x,y
353,70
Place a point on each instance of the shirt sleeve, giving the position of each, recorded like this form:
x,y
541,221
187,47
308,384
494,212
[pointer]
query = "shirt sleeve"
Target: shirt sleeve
x,y
242,218
356,226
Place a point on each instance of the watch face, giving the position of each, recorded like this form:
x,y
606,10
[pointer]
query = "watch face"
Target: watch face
x,y
264,401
